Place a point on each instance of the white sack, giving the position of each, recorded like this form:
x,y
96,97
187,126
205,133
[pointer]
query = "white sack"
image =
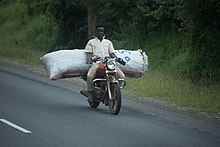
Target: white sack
x,y
62,62
136,62
73,62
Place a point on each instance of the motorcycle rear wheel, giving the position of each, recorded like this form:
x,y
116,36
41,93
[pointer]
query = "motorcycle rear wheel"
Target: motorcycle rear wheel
x,y
115,102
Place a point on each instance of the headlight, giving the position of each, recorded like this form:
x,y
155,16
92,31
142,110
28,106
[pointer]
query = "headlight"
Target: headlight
x,y
111,64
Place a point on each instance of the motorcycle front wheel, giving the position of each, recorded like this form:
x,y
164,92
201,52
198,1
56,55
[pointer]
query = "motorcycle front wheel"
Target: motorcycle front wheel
x,y
115,102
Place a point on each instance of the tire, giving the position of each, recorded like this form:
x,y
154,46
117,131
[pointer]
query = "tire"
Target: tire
x,y
115,102
94,104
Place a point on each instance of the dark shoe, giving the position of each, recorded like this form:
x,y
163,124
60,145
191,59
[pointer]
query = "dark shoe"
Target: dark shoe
x,y
88,94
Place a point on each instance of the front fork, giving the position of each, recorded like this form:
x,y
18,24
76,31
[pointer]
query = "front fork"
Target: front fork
x,y
112,79
109,80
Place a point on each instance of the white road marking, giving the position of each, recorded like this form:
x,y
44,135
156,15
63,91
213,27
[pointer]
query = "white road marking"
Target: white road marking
x,y
14,126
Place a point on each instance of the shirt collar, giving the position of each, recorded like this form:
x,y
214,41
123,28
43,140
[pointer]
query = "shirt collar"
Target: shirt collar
x,y
97,37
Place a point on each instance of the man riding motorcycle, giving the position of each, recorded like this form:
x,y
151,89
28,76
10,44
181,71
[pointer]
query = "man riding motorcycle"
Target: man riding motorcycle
x,y
98,47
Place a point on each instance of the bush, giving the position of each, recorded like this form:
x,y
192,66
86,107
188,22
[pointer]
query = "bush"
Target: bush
x,y
42,33
13,12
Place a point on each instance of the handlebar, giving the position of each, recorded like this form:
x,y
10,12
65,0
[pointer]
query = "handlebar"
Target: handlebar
x,y
119,60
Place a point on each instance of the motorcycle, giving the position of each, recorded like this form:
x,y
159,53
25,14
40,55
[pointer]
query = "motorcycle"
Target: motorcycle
x,y
107,85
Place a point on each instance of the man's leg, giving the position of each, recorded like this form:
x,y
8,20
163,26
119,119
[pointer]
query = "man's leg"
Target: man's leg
x,y
90,77
120,74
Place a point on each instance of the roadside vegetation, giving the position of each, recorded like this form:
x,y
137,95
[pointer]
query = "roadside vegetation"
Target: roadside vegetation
x,y
181,39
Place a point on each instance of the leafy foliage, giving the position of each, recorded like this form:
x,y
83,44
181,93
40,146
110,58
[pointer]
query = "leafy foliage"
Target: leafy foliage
x,y
180,36
69,16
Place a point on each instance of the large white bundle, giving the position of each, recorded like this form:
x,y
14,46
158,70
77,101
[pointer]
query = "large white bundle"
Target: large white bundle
x,y
59,63
73,62
136,62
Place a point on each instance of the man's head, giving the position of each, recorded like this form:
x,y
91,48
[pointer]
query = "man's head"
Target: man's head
x,y
100,31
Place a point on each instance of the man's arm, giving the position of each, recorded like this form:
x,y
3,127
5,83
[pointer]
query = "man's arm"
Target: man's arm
x,y
88,50
120,60
113,55
88,58
111,49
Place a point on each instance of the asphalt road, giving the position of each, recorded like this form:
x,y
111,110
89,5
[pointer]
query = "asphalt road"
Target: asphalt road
x,y
36,112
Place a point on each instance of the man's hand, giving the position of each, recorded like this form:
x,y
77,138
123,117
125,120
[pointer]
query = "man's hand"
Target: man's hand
x,y
88,62
112,55
96,58
120,60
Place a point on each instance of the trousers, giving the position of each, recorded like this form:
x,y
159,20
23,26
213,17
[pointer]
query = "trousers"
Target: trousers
x,y
92,73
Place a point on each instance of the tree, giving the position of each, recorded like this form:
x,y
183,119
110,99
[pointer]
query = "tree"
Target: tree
x,y
92,18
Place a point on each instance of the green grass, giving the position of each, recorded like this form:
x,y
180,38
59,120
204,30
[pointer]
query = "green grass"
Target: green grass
x,y
23,55
12,44
180,91
23,38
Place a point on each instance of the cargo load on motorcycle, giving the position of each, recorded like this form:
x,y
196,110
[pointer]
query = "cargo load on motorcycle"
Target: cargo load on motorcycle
x,y
70,63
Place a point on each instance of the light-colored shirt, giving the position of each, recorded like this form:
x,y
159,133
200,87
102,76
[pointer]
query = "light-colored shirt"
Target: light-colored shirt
x,y
101,48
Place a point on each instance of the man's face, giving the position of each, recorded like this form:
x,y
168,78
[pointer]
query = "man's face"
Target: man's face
x,y
100,31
